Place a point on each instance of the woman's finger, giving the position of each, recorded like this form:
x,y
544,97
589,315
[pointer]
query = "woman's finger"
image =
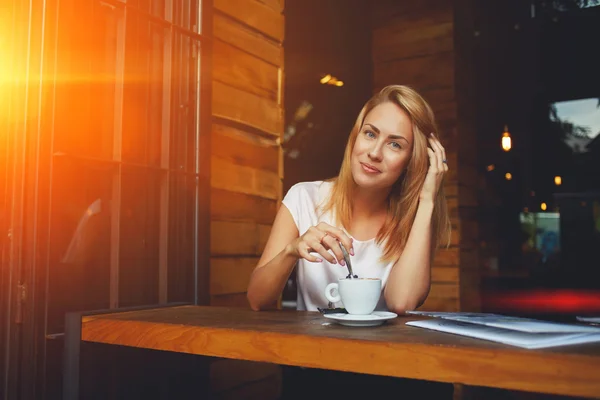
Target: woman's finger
x,y
307,256
444,158
339,235
433,165
331,243
318,247
438,153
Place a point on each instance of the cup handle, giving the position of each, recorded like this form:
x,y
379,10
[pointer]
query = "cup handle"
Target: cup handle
x,y
333,299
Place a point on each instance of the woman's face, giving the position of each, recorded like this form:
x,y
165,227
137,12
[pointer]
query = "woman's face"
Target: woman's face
x,y
383,147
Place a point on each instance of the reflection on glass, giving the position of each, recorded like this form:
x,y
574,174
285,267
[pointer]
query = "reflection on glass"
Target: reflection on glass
x,y
187,14
86,84
181,234
139,237
185,77
144,58
79,239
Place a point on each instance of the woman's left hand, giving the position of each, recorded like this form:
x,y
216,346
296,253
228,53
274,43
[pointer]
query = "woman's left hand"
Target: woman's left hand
x,y
438,166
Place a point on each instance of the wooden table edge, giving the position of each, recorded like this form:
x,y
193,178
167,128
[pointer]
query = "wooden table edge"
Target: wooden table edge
x,y
442,363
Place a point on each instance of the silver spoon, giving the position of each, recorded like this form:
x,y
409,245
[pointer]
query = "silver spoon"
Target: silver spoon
x,y
348,263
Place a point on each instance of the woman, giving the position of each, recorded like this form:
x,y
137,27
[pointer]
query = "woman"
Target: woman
x,y
386,206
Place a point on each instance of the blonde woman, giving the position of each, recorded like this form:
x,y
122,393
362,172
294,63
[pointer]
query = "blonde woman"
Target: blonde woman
x,y
387,207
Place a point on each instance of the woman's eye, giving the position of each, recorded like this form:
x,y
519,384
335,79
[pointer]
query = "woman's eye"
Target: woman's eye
x,y
370,134
395,145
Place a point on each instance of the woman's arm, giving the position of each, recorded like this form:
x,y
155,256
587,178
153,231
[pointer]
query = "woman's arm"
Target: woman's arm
x,y
284,248
276,263
410,279
408,285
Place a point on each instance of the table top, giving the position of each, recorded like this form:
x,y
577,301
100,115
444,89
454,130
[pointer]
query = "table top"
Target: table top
x,y
308,339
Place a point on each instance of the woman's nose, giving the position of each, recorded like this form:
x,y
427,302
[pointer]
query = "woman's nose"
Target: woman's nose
x,y
375,153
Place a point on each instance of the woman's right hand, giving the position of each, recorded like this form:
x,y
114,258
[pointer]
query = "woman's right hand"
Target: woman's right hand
x,y
320,239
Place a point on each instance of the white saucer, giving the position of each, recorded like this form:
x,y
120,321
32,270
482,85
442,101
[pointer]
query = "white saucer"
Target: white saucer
x,y
374,319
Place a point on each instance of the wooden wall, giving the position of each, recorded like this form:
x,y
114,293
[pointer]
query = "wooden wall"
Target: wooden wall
x,y
414,44
246,166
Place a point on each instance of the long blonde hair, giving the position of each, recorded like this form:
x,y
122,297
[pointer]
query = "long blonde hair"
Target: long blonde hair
x,y
404,196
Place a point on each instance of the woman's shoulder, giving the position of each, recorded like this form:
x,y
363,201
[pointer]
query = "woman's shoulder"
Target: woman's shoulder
x,y
316,190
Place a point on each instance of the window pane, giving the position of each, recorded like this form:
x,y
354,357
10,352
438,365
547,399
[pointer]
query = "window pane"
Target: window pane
x,y
143,92
154,7
181,234
186,14
139,237
79,239
87,69
184,92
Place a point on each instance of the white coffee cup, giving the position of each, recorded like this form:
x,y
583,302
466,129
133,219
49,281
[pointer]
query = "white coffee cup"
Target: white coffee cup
x,y
359,295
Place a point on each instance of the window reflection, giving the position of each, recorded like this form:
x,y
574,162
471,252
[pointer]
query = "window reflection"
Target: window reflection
x,y
80,222
123,173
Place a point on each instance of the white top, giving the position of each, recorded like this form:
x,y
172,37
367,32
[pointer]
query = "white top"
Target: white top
x,y
312,277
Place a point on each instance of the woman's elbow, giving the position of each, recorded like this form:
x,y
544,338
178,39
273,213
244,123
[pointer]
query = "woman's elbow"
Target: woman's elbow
x,y
400,307
254,303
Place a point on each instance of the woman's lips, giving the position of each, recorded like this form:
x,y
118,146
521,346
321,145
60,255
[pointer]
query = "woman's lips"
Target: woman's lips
x,y
369,168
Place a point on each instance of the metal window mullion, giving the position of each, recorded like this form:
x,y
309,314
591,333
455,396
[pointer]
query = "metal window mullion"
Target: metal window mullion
x,y
198,54
165,177
115,228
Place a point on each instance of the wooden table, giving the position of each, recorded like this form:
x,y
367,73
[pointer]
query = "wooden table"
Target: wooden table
x,y
308,339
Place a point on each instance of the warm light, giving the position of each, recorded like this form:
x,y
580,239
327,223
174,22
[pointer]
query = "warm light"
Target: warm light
x,y
506,140
557,180
491,167
508,176
543,206
325,79
331,80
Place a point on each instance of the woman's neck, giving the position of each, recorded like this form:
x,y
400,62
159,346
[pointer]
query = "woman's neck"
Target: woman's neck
x,y
369,203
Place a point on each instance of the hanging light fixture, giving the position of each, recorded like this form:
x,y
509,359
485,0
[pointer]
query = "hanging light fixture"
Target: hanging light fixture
x,y
506,140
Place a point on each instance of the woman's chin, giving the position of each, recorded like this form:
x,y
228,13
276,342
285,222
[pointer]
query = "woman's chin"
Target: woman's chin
x,y
367,182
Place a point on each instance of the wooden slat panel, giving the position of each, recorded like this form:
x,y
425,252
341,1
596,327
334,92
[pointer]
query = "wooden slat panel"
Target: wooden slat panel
x,y
469,258
232,32
246,108
230,275
413,38
447,257
276,5
230,300
244,71
254,14
469,233
394,12
444,290
237,238
439,304
444,274
470,295
238,178
231,206
427,71
243,148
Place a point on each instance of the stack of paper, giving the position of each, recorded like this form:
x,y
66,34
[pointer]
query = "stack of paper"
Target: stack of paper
x,y
515,331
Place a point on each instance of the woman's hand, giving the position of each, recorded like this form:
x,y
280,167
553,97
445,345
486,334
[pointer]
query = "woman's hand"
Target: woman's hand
x,y
319,239
438,166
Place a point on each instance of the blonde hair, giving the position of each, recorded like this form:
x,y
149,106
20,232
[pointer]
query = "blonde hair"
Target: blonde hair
x,y
404,195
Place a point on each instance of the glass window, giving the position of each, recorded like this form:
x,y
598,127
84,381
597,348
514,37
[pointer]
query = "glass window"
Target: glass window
x,y
124,177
